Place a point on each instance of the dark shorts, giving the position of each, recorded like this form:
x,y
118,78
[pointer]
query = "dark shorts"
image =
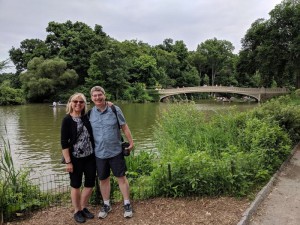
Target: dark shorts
x,y
83,166
117,164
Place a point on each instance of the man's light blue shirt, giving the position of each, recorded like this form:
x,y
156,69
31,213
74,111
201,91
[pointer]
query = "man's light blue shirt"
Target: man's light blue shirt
x,y
106,131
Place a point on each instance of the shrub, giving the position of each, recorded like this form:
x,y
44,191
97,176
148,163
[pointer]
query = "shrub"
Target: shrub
x,y
229,153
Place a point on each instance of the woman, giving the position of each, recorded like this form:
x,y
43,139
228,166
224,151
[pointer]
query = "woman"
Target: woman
x,y
78,150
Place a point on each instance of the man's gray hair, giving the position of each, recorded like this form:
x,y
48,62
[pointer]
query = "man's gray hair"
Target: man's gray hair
x,y
97,88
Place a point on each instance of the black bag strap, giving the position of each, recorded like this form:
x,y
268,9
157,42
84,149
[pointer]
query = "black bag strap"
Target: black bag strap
x,y
113,108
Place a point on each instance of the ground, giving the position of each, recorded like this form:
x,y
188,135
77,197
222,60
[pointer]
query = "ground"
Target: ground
x,y
221,211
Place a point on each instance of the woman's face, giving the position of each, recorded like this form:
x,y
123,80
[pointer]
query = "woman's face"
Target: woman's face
x,y
77,104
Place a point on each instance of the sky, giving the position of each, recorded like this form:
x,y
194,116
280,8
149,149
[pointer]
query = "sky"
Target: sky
x,y
149,21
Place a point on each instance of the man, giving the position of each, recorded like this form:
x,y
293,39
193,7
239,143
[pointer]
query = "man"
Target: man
x,y
107,136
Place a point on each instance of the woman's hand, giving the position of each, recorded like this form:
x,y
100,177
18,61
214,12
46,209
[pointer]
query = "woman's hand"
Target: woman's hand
x,y
109,103
69,167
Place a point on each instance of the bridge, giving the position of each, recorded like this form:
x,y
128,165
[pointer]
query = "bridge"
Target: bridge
x,y
260,94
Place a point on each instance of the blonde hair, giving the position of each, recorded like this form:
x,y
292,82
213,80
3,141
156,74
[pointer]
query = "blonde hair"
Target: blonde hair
x,y
69,109
97,88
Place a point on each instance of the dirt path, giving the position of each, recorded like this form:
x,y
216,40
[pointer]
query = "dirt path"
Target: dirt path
x,y
221,211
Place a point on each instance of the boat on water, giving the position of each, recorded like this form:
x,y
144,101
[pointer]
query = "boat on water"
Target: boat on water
x,y
62,104
57,104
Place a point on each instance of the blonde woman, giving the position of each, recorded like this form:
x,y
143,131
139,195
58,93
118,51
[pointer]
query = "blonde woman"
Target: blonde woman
x,y
78,150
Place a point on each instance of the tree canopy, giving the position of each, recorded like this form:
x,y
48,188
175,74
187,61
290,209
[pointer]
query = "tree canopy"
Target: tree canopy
x,y
75,56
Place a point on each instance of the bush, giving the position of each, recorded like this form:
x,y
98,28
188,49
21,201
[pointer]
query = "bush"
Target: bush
x,y
17,193
229,153
10,96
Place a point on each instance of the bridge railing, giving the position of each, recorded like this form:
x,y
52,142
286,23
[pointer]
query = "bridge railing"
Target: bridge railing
x,y
261,90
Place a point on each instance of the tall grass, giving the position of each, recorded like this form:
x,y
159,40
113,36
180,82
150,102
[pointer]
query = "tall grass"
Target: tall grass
x,y
229,153
17,194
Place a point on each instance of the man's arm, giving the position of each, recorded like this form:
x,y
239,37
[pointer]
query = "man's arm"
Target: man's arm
x,y
128,135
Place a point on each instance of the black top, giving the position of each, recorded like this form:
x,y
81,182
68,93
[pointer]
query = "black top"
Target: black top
x,y
69,131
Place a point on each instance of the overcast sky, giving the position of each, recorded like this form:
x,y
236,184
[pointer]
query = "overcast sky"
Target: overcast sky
x,y
150,21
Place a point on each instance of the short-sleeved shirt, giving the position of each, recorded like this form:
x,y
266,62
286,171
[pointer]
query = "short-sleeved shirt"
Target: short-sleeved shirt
x,y
107,135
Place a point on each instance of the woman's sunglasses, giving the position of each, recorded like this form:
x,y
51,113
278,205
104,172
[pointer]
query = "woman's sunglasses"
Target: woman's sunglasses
x,y
75,101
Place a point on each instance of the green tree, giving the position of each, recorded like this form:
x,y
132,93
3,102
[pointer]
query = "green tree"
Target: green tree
x,y
10,95
216,55
179,67
28,49
45,79
145,70
4,65
109,68
75,43
272,47
137,93
168,65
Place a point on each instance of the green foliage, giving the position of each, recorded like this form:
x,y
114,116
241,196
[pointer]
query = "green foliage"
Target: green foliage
x,y
9,95
29,49
137,93
45,78
278,64
4,65
283,112
216,55
227,154
17,193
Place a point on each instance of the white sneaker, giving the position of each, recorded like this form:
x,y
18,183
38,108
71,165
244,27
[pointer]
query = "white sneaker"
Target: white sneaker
x,y
128,211
104,211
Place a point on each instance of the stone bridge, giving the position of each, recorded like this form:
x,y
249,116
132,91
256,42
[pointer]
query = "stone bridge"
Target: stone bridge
x,y
260,94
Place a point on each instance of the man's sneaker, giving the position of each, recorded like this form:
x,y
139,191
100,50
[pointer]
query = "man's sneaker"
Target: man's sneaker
x,y
104,211
127,211
79,217
87,214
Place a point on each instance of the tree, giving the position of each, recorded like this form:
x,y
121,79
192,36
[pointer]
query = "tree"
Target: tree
x,y
137,93
9,95
4,65
216,54
145,70
168,65
109,68
179,68
271,47
29,49
75,43
45,79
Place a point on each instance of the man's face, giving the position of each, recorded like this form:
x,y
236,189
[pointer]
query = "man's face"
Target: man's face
x,y
98,98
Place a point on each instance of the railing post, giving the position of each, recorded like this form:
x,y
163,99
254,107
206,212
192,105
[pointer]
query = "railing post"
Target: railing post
x,y
169,172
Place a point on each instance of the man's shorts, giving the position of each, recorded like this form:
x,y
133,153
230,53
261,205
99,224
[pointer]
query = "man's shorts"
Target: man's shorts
x,y
117,164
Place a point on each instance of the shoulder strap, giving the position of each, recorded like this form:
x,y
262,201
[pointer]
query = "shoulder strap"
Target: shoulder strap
x,y
89,114
113,108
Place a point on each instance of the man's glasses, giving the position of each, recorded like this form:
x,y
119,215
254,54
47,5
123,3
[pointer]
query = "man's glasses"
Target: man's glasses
x,y
97,95
75,101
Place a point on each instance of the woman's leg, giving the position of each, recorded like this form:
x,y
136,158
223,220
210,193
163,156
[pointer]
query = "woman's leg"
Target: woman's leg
x,y
75,197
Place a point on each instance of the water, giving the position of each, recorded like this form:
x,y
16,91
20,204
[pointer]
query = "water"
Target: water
x,y
33,131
